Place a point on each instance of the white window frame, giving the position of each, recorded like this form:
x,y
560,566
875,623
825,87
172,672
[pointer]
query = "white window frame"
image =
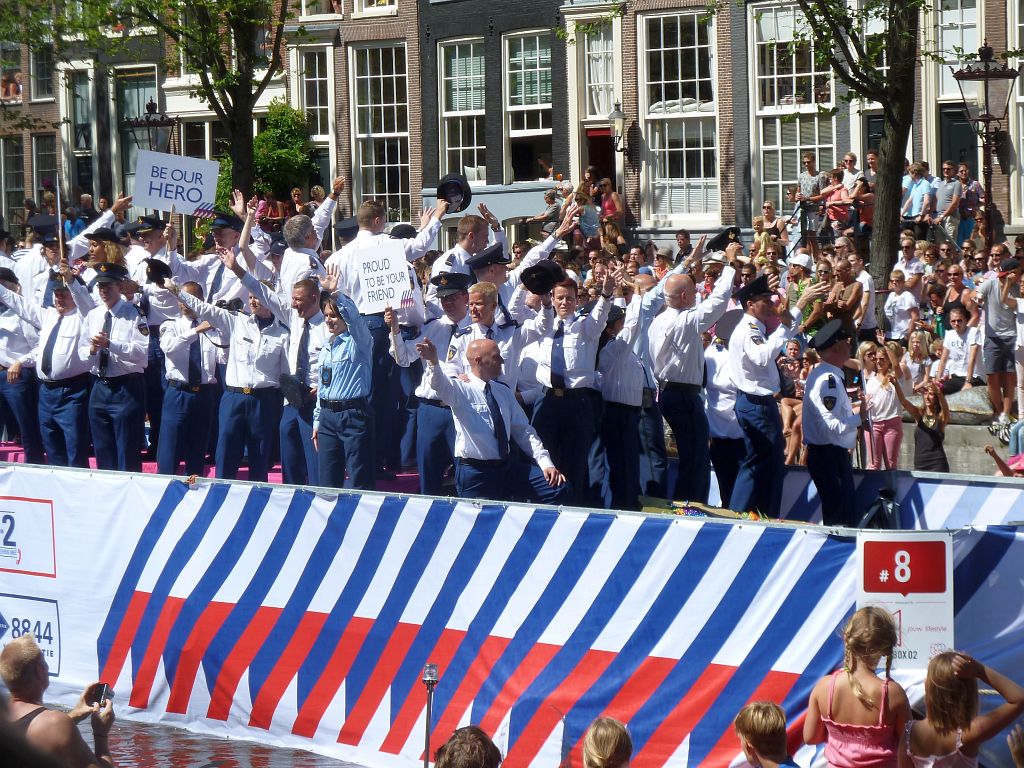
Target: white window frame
x,y
19,172
479,177
797,114
33,77
584,52
364,8
508,110
359,192
37,180
301,80
305,5
954,34
709,213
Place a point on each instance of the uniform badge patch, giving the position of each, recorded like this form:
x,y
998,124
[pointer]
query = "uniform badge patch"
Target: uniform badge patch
x,y
830,402
325,375
757,340
144,329
831,382
451,353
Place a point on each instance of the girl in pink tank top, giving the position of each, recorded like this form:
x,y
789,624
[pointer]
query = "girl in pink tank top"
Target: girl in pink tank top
x,y
953,732
859,715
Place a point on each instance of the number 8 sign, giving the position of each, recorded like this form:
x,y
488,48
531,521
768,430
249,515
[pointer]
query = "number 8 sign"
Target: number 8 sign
x,y
903,567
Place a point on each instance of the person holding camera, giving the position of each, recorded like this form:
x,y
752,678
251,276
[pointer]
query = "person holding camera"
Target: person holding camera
x,y
26,674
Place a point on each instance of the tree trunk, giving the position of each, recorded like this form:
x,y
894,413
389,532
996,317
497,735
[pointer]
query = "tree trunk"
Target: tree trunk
x,y
240,134
902,52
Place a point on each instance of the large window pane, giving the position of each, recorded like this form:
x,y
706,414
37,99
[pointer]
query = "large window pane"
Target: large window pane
x,y
598,48
788,71
314,92
133,89
82,110
42,73
11,78
44,164
12,158
464,147
679,121
382,128
528,104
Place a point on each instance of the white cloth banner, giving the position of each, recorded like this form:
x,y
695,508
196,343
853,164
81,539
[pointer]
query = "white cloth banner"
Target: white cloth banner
x,y
304,619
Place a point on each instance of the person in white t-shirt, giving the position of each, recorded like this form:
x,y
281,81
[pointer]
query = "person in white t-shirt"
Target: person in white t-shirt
x,y
959,354
901,308
911,267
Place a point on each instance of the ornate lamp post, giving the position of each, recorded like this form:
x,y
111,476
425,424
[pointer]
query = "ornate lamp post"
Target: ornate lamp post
x,y
152,130
986,87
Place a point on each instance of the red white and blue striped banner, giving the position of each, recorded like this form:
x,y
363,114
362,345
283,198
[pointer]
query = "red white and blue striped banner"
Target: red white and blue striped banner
x,y
302,619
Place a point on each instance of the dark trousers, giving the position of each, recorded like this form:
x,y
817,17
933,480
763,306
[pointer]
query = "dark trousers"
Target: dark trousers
x,y
299,462
156,383
384,396
409,378
509,480
620,434
345,440
247,423
435,446
653,455
566,426
64,421
22,396
115,416
185,423
684,412
763,468
726,455
831,469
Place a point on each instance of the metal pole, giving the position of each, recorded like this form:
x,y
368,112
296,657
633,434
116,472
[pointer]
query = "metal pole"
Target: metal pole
x,y
426,734
986,169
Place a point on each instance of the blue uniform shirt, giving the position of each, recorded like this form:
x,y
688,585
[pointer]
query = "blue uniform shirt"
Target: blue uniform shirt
x,y
346,361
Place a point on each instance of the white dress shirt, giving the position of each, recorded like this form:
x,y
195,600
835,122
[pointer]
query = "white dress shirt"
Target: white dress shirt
x,y
828,414
129,339
752,354
163,305
211,273
455,258
720,402
620,374
259,355
441,332
66,360
510,339
18,339
579,343
474,428
176,337
32,270
676,349
350,282
317,337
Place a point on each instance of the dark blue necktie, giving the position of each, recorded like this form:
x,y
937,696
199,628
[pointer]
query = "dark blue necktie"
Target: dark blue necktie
x,y
218,278
490,333
46,366
48,292
302,358
144,304
195,359
500,434
558,357
108,321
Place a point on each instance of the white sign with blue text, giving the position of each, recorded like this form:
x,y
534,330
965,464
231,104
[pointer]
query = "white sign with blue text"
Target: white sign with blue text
x,y
186,184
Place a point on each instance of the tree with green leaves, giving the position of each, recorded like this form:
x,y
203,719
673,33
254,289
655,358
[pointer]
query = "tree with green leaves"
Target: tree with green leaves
x,y
873,49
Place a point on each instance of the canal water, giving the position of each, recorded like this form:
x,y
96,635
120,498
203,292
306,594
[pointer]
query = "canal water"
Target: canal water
x,y
148,745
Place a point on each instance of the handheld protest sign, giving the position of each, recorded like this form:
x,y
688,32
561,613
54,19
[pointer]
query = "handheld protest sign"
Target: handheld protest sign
x,y
166,182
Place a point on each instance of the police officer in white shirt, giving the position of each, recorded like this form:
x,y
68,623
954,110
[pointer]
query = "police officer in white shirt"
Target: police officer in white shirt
x,y
435,429
307,335
487,417
567,418
752,353
304,236
621,382
472,239
63,414
116,339
18,384
250,408
726,447
191,361
677,356
830,423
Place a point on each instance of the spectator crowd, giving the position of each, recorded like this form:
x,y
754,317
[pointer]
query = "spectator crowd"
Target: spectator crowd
x,y
545,369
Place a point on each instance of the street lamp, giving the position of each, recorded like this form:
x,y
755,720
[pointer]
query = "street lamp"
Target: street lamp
x,y
152,130
617,122
430,680
985,88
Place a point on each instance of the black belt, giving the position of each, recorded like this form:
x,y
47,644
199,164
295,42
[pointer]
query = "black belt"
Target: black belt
x,y
248,390
484,463
119,379
763,399
569,393
372,314
73,381
435,403
174,384
621,406
678,386
343,405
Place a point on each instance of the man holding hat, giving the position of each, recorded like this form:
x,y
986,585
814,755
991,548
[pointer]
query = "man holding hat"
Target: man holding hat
x,y
677,355
63,413
830,423
752,353
435,429
116,339
472,239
